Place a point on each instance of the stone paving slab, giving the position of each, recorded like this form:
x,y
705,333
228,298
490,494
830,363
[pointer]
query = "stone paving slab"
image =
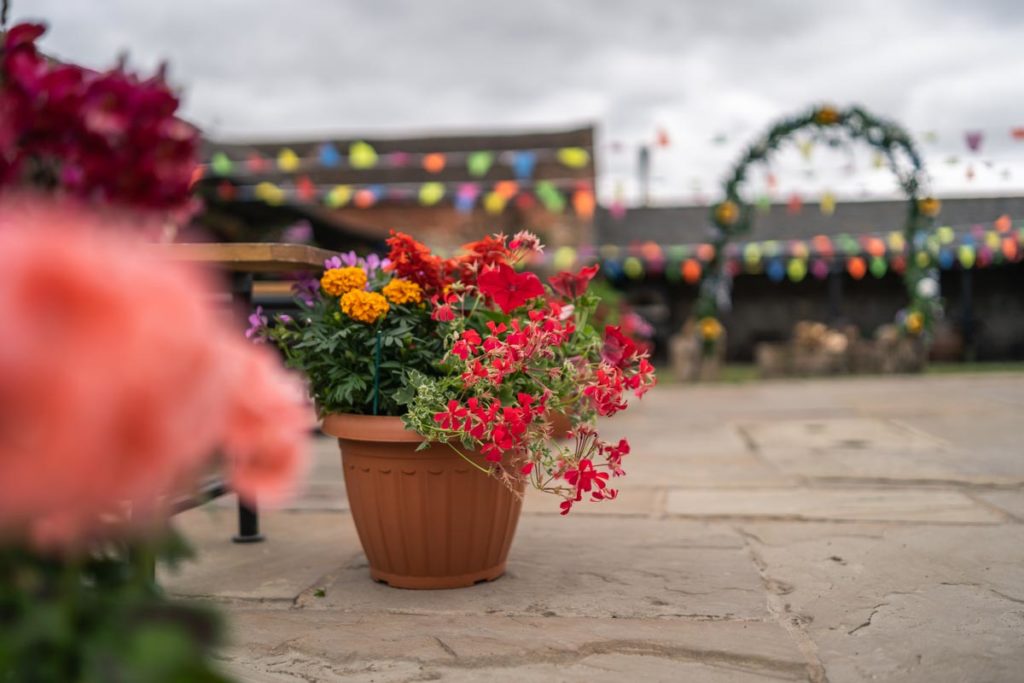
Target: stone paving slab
x,y
586,567
840,504
886,545
1009,502
853,448
300,549
643,501
333,646
885,602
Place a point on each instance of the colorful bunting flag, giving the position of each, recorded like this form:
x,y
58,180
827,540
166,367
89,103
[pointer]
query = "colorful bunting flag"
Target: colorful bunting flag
x,y
365,198
288,161
338,196
226,191
398,159
878,267
431,193
523,164
633,268
305,189
691,270
525,201
966,255
795,204
269,193
479,163
507,188
434,163
361,156
819,269
583,203
574,157
256,163
549,196
828,204
856,268
220,164
329,155
973,138
494,203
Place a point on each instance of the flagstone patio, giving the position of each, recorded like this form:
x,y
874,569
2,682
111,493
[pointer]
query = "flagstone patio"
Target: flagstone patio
x,y
839,530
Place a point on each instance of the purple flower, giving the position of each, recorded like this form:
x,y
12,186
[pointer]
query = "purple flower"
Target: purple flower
x,y
306,289
284,318
371,264
257,326
300,232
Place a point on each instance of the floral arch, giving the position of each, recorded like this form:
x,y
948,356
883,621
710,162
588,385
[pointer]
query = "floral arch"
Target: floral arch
x,y
733,216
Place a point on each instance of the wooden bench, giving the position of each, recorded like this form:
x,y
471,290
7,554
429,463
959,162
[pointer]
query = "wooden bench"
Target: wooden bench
x,y
242,261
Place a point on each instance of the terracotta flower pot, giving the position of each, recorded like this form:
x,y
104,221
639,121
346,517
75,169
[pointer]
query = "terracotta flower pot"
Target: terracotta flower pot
x,y
560,424
426,519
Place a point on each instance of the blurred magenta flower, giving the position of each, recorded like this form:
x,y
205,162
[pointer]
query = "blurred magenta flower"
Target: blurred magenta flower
x,y
110,137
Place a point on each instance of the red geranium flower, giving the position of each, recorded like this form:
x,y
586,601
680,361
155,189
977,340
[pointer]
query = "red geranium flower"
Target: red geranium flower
x,y
509,289
480,255
573,286
413,261
618,350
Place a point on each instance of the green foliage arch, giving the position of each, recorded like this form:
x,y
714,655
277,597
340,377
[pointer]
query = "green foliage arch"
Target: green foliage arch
x,y
733,216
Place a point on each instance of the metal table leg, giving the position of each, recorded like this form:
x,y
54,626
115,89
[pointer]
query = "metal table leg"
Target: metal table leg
x,y
248,515
248,524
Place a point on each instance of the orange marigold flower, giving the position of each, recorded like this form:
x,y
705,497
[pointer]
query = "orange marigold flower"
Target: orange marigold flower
x,y
710,329
338,281
915,323
366,307
727,213
400,291
826,116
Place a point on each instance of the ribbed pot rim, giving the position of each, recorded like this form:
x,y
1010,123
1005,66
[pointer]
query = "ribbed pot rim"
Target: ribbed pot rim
x,y
376,428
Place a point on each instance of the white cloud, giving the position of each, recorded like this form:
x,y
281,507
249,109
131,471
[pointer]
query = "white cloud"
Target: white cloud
x,y
306,67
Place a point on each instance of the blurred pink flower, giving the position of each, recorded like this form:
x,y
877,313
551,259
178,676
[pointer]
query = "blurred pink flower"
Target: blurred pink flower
x,y
117,383
267,417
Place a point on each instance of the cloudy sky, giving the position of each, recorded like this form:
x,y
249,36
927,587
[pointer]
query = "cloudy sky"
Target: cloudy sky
x,y
712,75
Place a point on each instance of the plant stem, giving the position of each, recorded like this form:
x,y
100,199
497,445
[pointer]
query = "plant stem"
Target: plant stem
x,y
376,374
469,460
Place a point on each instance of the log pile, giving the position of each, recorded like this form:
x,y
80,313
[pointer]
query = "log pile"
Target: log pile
x,y
817,350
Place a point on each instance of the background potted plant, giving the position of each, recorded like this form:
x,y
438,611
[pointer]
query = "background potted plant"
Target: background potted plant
x,y
441,378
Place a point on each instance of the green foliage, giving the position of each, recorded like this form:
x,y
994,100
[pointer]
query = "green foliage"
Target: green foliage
x,y
887,137
338,354
100,618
